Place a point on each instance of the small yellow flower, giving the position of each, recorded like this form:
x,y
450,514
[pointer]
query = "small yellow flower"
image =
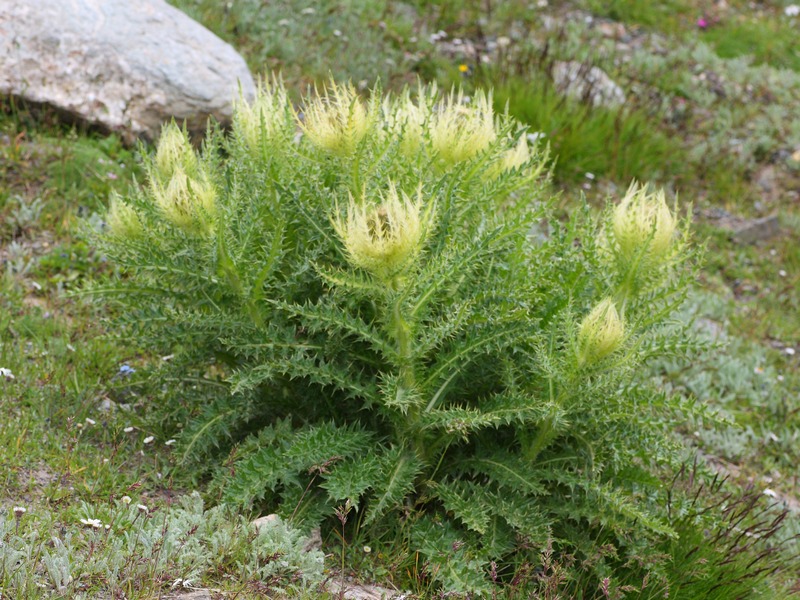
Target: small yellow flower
x,y
174,152
190,203
643,225
601,333
337,120
462,68
384,239
122,219
461,131
265,118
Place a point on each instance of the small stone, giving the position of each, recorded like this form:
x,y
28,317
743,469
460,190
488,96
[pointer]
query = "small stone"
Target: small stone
x,y
350,590
314,541
756,230
266,521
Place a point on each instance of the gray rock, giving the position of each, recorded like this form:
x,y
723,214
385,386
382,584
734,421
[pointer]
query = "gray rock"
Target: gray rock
x,y
587,83
118,65
756,230
351,590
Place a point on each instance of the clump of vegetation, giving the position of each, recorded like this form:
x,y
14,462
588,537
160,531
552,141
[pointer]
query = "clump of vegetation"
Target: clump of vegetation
x,y
122,548
392,342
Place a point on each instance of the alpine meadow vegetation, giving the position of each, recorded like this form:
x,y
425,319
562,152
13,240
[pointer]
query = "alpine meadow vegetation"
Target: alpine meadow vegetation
x,y
375,311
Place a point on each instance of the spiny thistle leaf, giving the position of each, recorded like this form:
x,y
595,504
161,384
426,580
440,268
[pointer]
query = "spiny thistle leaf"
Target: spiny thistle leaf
x,y
398,472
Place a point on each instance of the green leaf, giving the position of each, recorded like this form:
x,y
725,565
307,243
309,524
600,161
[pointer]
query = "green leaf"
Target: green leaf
x,y
350,479
467,501
509,471
502,409
399,470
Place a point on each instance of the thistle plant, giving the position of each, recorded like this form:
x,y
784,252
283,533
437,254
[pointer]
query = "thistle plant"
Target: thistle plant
x,y
367,320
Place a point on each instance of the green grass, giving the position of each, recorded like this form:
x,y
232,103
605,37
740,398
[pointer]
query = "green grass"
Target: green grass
x,y
667,16
770,41
362,40
620,144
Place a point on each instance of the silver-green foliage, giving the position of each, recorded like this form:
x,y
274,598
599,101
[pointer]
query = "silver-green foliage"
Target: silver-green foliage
x,y
404,323
126,550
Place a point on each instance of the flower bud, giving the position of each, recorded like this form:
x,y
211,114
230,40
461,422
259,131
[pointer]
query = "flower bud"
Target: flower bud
x,y
264,119
601,333
122,219
384,239
643,225
511,159
174,152
406,120
337,120
461,131
188,202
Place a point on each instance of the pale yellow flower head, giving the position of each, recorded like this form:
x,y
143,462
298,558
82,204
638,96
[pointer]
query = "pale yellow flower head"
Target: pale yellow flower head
x,y
384,239
190,203
461,131
337,120
511,159
265,118
174,151
643,225
601,333
407,120
122,219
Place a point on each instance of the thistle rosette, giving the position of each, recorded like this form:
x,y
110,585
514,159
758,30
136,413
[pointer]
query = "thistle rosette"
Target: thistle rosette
x,y
460,131
337,120
385,239
601,333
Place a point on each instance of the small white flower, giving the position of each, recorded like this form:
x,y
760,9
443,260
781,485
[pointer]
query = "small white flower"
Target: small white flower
x,y
94,523
128,429
169,442
19,511
90,421
142,508
770,493
148,439
789,350
126,499
792,10
782,273
536,136
7,374
774,437
307,11
367,549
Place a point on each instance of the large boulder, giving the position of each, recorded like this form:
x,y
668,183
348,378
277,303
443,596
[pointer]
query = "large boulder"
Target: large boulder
x,y
121,65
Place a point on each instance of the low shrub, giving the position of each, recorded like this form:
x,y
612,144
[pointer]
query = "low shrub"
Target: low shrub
x,y
376,315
